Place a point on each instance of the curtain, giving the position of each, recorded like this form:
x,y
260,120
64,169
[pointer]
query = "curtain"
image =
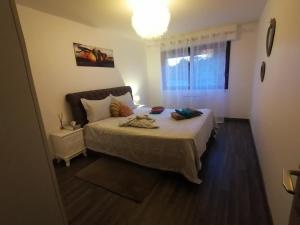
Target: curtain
x,y
193,75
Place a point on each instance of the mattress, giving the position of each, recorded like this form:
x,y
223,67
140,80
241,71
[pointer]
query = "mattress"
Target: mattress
x,y
175,146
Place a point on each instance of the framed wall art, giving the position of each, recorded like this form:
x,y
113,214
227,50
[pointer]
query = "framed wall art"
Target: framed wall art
x,y
93,56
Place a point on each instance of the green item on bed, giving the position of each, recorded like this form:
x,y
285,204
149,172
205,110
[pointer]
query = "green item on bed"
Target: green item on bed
x,y
188,112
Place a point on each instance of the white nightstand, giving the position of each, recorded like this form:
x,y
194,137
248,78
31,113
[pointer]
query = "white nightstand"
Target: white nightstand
x,y
68,144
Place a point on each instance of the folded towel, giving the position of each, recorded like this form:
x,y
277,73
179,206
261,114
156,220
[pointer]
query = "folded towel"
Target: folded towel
x,y
188,113
177,116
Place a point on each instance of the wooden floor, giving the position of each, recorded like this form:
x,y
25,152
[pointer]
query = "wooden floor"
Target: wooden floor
x,y
232,191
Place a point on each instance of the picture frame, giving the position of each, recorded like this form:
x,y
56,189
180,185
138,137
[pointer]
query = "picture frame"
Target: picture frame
x,y
270,36
86,55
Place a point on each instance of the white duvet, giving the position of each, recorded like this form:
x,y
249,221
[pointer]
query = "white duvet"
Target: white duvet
x,y
175,146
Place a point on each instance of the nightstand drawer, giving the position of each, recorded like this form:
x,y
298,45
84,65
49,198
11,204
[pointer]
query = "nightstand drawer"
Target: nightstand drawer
x,y
67,143
72,143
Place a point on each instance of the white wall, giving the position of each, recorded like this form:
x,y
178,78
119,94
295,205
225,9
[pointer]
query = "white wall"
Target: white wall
x,y
154,75
49,40
275,114
242,60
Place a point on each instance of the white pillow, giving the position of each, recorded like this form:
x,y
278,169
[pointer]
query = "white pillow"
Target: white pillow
x,y
96,109
126,100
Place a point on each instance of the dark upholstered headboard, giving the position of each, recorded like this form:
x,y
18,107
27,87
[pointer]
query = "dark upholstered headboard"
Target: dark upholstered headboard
x,y
77,109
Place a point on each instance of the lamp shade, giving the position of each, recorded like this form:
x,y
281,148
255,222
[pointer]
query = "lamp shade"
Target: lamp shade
x,y
150,18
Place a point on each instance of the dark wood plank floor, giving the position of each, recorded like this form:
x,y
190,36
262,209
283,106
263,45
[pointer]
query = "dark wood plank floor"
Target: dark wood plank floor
x,y
232,191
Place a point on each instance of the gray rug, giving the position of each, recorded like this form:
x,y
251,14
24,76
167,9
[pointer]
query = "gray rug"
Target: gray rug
x,y
121,177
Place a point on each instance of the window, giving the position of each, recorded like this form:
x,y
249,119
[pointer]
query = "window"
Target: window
x,y
196,67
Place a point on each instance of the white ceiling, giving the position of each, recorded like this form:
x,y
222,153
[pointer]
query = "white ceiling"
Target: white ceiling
x,y
186,15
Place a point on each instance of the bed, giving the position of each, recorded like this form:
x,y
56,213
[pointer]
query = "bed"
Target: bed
x,y
175,146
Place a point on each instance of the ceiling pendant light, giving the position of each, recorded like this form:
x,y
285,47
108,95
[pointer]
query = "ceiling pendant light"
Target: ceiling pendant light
x,y
150,18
